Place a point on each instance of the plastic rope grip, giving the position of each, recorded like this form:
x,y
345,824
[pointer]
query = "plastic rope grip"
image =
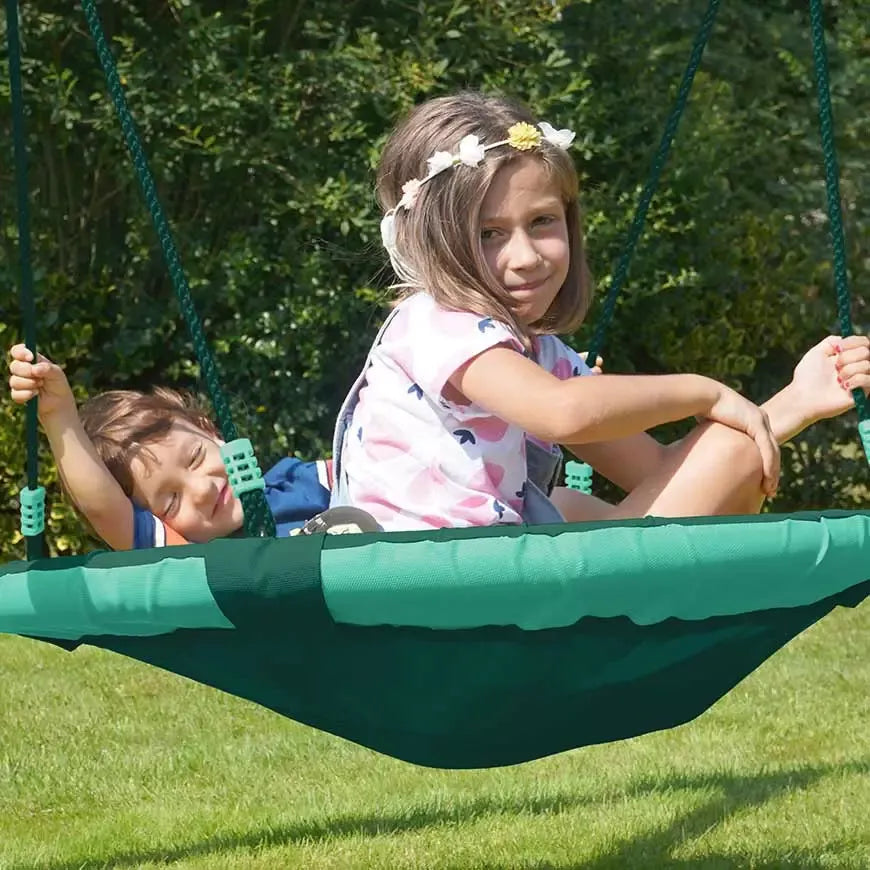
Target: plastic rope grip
x,y
242,467
32,511
864,432
578,475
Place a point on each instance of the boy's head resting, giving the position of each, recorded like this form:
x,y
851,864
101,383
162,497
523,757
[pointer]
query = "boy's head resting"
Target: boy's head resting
x,y
164,451
438,239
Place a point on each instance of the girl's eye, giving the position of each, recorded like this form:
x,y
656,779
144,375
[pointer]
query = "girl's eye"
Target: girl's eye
x,y
487,235
171,505
543,220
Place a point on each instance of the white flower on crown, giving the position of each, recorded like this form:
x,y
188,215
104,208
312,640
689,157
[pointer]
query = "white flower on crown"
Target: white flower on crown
x,y
410,189
388,230
559,138
471,152
439,161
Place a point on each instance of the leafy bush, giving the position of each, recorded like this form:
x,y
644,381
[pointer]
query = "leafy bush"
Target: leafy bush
x,y
263,122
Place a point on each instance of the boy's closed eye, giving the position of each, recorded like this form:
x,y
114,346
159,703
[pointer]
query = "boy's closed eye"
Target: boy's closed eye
x,y
171,503
170,506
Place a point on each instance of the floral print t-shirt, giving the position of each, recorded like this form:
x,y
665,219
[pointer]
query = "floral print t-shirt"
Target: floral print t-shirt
x,y
415,460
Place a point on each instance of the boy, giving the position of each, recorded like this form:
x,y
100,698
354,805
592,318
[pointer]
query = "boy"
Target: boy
x,y
145,470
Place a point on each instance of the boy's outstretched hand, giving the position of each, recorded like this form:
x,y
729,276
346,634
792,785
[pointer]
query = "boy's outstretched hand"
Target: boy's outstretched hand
x,y
43,379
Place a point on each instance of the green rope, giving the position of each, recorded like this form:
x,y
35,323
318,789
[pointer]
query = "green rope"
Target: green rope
x,y
581,471
652,183
28,304
832,187
258,517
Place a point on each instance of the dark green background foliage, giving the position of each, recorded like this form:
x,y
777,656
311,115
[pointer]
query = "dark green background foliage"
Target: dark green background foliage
x,y
263,121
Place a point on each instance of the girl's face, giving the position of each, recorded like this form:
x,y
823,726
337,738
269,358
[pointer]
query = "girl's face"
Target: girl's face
x,y
181,478
524,236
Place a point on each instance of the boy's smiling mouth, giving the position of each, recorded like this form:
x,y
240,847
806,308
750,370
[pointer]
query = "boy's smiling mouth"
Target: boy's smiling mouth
x,y
222,498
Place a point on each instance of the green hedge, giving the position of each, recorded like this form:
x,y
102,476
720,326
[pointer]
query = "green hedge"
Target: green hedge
x,y
263,121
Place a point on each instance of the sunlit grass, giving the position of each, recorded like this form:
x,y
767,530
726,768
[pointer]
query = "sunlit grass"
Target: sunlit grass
x,y
108,763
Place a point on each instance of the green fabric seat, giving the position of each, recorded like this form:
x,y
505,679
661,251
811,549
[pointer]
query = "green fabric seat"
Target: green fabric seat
x,y
464,648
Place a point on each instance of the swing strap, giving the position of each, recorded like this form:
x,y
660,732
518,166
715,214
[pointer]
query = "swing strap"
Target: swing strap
x,y
32,498
658,164
258,517
580,474
835,208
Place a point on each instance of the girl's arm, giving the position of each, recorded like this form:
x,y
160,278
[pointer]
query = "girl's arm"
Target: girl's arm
x,y
605,408
93,490
624,461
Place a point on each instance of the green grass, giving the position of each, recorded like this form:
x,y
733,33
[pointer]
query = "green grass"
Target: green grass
x,y
108,763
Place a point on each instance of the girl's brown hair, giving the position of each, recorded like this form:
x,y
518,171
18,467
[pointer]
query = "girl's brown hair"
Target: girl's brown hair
x,y
120,422
438,239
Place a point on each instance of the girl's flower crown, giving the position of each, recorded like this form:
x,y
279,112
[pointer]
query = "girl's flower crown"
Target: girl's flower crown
x,y
471,151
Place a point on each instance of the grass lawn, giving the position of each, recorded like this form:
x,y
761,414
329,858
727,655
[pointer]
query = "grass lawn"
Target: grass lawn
x,y
108,763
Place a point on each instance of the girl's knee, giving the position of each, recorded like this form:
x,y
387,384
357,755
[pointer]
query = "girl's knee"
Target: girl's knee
x,y
742,456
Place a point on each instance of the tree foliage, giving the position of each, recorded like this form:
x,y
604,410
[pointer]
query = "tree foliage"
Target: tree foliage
x,y
263,122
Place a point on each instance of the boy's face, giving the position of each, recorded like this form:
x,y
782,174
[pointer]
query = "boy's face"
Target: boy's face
x,y
181,479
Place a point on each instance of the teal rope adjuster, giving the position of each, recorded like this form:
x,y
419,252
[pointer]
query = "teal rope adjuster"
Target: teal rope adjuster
x,y
864,432
578,475
242,467
32,511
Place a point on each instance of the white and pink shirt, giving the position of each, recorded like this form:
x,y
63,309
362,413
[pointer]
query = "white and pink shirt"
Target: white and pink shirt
x,y
415,460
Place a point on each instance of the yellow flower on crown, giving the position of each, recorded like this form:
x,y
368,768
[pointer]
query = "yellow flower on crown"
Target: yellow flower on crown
x,y
523,136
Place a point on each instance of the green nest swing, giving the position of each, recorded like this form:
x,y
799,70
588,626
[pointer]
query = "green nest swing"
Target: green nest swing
x,y
456,648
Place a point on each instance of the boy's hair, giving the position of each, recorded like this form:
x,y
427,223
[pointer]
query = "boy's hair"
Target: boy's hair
x,y
439,238
118,422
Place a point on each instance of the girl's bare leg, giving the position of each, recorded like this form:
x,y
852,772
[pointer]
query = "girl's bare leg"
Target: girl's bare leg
x,y
713,471
716,470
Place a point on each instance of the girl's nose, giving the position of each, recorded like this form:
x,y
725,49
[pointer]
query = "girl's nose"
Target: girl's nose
x,y
522,254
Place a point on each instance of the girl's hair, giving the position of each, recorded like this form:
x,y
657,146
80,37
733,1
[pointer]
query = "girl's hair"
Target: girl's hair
x,y
438,239
119,422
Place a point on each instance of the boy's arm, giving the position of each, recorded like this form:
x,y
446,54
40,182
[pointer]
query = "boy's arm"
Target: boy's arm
x,y
93,490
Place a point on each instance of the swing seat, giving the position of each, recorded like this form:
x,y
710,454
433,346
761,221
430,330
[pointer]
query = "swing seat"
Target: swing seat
x,y
463,648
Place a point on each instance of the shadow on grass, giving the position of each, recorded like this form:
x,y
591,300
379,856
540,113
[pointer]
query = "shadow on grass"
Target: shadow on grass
x,y
645,850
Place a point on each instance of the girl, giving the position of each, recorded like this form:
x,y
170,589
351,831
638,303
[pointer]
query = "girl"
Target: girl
x,y
467,394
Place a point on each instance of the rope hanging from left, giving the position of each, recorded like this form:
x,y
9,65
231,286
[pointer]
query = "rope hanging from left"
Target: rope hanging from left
x,y
32,497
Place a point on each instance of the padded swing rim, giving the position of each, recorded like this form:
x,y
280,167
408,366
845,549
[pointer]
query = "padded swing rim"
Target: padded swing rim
x,y
533,578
